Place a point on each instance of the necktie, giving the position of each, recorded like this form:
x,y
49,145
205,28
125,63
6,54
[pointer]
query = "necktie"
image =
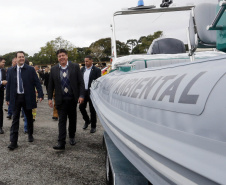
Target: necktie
x,y
20,81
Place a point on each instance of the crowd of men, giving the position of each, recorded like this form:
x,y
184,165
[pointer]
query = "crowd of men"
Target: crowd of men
x,y
66,83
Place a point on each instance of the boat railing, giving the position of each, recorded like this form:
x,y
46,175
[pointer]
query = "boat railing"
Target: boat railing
x,y
220,13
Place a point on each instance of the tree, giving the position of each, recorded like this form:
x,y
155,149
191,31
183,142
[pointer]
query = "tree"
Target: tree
x,y
122,48
36,59
131,43
101,48
47,54
145,42
82,53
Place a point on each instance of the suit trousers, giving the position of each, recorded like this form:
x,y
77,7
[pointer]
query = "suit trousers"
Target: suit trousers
x,y
20,103
10,112
67,109
1,108
82,108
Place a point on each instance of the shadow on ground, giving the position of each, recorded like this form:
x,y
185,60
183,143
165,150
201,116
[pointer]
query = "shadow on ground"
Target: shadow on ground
x,y
38,163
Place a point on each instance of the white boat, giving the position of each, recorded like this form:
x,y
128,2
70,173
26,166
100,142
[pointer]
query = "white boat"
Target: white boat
x,y
167,112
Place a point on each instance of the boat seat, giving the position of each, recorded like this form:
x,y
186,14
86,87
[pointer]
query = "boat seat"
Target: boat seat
x,y
166,46
198,36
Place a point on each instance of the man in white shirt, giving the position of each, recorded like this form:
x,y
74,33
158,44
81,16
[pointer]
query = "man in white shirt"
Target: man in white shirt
x,y
21,93
90,73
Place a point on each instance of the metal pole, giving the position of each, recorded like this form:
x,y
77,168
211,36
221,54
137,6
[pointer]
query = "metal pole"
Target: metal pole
x,y
114,50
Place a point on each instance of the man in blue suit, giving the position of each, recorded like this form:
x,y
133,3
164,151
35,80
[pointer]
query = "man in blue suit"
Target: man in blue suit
x,y
20,92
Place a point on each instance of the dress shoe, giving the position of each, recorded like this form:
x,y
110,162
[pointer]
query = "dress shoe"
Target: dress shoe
x,y
55,118
25,132
86,125
22,116
30,138
9,117
1,131
6,110
12,146
72,141
93,130
59,147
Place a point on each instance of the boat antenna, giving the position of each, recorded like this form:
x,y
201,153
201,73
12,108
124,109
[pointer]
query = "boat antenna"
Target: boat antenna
x,y
166,3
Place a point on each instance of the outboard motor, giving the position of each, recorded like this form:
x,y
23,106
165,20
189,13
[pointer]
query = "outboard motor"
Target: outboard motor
x,y
166,3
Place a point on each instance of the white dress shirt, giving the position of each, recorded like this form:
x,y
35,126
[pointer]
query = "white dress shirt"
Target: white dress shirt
x,y
64,66
86,76
18,70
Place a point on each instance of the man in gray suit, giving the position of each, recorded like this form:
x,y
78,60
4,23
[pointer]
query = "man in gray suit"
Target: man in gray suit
x,y
66,79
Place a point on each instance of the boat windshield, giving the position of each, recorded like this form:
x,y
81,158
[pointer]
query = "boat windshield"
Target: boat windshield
x,y
141,22
173,25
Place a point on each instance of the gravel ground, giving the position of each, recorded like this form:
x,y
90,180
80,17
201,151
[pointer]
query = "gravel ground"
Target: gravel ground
x,y
37,163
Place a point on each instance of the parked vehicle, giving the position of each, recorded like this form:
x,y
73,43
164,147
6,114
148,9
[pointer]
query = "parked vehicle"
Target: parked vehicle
x,y
165,111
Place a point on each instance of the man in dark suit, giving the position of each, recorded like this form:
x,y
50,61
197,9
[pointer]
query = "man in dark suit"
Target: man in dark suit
x,y
90,73
20,93
66,79
3,82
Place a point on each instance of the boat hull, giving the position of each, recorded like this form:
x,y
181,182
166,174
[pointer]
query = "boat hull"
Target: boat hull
x,y
169,121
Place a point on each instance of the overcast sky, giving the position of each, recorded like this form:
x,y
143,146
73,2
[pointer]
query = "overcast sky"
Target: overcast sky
x,y
29,24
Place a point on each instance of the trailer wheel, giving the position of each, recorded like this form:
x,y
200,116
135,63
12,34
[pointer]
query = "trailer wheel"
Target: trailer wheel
x,y
109,177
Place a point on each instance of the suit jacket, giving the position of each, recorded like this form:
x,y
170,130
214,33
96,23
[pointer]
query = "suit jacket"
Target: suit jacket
x,y
2,87
30,82
94,74
76,83
46,78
